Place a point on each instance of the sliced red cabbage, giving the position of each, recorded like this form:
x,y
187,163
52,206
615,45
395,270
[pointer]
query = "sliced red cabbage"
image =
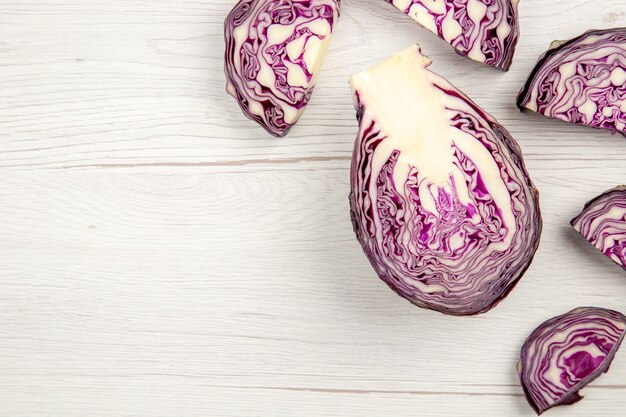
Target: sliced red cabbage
x,y
603,223
581,81
566,353
440,200
483,30
274,51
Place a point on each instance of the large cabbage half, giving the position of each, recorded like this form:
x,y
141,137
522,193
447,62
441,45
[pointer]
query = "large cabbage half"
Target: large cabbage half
x,y
440,199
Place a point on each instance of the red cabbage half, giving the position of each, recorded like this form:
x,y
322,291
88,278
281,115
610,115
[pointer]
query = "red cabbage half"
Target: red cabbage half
x,y
483,30
566,353
440,200
603,223
581,81
274,50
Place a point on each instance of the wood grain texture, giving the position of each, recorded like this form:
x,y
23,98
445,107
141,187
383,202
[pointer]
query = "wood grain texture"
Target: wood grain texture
x,y
161,256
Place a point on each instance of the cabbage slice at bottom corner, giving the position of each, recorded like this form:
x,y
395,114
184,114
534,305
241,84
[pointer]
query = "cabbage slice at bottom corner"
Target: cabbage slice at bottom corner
x,y
440,199
566,353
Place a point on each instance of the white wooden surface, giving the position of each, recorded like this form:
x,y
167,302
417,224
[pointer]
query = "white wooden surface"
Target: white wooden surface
x,y
161,256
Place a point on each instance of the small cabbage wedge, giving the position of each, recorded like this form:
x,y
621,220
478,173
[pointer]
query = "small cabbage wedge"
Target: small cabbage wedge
x,y
274,51
603,223
581,81
566,353
440,199
483,30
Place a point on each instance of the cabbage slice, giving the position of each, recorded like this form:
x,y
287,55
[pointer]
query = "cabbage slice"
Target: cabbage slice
x,y
274,51
566,353
485,31
440,199
581,81
603,223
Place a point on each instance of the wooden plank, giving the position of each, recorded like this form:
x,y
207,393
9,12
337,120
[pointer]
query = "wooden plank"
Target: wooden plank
x,y
126,83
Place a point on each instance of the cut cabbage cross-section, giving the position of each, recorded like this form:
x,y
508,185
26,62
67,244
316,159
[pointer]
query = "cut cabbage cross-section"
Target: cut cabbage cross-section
x,y
581,81
603,223
566,353
483,30
274,51
440,200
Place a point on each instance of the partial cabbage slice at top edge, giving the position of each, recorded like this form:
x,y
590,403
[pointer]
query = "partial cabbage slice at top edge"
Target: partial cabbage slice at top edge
x,y
566,353
603,223
581,81
274,51
486,32
440,199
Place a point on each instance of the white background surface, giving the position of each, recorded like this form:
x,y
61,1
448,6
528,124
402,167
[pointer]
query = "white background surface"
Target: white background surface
x,y
161,256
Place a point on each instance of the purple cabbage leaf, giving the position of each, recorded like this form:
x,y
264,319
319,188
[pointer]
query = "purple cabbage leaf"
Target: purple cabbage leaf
x,y
566,353
603,223
441,202
483,30
274,51
581,81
